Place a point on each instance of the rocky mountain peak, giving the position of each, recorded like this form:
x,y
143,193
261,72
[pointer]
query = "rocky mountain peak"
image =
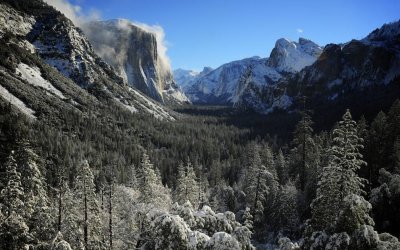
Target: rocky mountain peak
x,y
134,53
388,31
289,56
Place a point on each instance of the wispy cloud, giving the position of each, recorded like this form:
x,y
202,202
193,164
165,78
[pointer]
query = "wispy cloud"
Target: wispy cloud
x,y
299,31
79,18
74,12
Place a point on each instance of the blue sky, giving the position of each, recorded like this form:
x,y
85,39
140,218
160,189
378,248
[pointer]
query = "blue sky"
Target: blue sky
x,y
212,32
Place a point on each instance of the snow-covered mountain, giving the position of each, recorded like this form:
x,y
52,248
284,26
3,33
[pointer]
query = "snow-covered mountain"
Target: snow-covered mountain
x,y
185,78
290,56
228,84
135,54
219,85
50,66
335,73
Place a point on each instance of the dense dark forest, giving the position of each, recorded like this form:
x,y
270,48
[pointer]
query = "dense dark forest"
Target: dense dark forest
x,y
300,190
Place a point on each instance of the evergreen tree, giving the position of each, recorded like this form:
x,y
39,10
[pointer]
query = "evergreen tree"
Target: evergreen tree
x,y
285,215
301,157
187,187
339,179
14,232
132,178
37,205
84,193
248,219
377,147
12,196
346,156
256,184
203,188
281,168
150,186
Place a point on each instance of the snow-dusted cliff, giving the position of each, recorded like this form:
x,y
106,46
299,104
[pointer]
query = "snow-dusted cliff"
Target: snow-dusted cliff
x,y
135,54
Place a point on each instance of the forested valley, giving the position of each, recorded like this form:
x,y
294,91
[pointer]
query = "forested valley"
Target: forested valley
x,y
116,180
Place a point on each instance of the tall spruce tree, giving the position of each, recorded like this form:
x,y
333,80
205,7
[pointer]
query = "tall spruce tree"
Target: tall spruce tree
x,y
339,179
256,187
150,185
281,168
187,188
303,143
84,192
14,232
37,205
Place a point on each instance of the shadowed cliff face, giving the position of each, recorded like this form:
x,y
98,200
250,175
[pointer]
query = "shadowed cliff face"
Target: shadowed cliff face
x,y
133,52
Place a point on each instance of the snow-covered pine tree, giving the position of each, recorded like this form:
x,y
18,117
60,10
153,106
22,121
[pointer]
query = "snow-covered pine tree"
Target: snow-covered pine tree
x,y
84,192
285,215
132,178
187,188
281,168
14,232
256,184
70,217
339,179
248,219
203,188
37,205
150,186
268,160
346,155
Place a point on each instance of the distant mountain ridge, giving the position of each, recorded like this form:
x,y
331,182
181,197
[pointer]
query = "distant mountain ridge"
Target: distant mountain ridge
x,y
225,84
333,74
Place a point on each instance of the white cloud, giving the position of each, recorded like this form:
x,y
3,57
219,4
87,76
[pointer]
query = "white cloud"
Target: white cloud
x,y
74,12
299,31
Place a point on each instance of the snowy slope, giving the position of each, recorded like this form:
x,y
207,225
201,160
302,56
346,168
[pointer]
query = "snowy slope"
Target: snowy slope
x,y
34,77
20,105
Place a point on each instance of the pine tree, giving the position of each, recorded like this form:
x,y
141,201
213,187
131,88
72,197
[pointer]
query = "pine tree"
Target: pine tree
x,y
256,184
346,155
84,192
14,232
132,178
12,196
248,219
377,147
281,168
187,187
37,205
70,217
149,184
203,188
339,179
303,143
285,214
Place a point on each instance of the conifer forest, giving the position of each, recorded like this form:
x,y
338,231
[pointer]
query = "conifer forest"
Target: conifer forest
x,y
103,151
